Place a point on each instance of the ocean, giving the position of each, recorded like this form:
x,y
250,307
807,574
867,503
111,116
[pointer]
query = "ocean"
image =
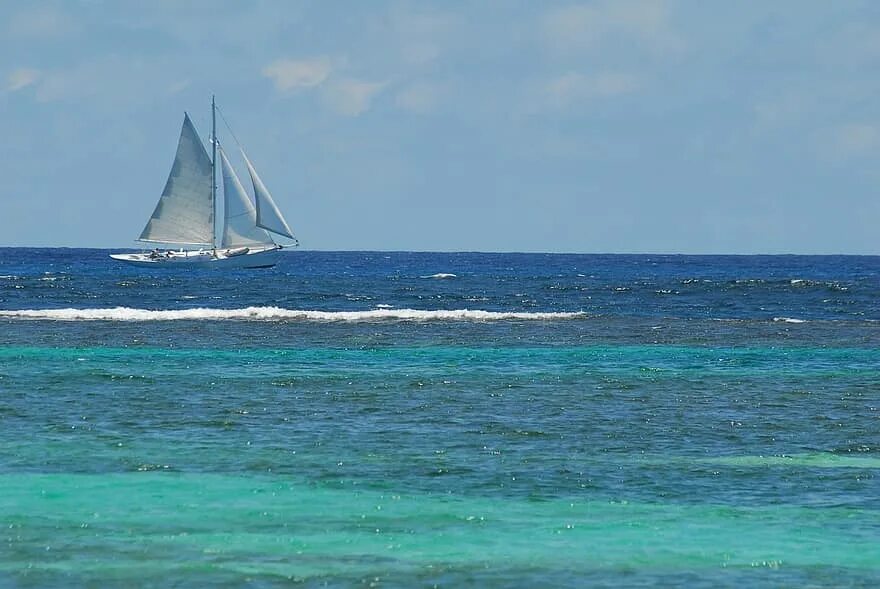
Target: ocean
x,y
397,419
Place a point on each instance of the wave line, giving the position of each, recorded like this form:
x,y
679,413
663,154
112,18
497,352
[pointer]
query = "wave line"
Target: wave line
x,y
280,314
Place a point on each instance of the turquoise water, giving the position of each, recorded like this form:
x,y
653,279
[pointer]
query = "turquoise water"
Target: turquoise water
x,y
574,422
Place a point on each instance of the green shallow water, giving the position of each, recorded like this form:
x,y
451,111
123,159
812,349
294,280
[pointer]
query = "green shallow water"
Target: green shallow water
x,y
457,466
203,528
821,460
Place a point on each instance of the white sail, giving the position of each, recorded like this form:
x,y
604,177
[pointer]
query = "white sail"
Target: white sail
x,y
240,219
268,215
185,212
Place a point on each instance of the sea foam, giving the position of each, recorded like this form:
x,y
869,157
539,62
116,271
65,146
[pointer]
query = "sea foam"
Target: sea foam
x,y
441,275
277,314
788,320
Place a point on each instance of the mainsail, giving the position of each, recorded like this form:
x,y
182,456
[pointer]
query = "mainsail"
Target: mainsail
x,y
185,212
268,215
240,220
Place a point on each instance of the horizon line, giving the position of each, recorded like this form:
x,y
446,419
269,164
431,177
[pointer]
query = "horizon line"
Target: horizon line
x,y
475,251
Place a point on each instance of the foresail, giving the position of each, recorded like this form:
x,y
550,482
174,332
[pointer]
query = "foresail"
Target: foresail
x,y
268,215
240,219
185,211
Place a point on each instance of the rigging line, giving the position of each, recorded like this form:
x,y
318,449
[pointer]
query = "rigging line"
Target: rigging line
x,y
229,128
241,147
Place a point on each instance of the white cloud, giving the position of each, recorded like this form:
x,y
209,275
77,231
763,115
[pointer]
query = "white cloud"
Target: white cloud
x,y
420,52
39,23
784,109
178,86
422,35
110,80
583,27
344,95
76,83
855,139
351,97
420,98
573,87
851,46
21,78
290,75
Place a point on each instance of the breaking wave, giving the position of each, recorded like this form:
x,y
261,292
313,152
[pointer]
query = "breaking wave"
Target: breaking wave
x,y
788,320
278,314
441,275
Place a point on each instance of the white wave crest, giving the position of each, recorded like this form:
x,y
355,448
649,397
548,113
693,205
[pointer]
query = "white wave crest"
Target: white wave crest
x,y
278,314
441,275
788,320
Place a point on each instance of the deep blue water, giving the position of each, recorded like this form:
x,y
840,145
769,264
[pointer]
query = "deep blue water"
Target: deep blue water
x,y
411,419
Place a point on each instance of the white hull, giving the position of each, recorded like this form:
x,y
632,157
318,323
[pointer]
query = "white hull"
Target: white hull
x,y
228,258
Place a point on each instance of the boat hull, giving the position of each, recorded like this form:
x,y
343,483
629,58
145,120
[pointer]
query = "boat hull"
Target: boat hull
x,y
233,258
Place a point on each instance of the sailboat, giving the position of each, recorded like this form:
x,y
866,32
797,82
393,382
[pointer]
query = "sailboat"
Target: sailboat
x,y
184,216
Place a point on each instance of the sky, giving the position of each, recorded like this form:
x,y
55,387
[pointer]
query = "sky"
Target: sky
x,y
608,126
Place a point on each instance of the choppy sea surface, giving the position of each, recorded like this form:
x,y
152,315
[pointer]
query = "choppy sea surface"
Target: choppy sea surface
x,y
454,420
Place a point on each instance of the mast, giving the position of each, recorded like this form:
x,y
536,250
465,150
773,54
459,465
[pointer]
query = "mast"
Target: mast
x,y
213,172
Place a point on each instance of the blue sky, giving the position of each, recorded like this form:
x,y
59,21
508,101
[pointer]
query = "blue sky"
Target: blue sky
x,y
610,126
